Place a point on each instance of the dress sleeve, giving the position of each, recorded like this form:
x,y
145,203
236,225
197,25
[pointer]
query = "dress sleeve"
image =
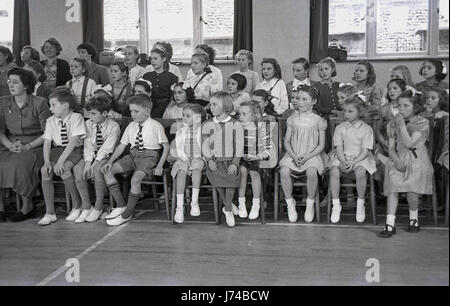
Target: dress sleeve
x,y
367,141
338,138
422,125
322,124
43,113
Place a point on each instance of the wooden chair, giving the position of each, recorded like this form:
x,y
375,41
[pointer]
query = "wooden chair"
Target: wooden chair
x,y
204,185
278,205
371,183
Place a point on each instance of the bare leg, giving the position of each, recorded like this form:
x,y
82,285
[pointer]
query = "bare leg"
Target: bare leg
x,y
361,182
312,182
335,182
243,186
181,182
286,182
256,184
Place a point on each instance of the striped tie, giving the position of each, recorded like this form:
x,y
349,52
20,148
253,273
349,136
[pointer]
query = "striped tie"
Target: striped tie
x,y
99,137
64,137
139,139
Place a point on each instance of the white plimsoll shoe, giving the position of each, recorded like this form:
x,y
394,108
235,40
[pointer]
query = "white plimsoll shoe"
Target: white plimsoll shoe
x,y
292,213
179,214
74,214
195,210
360,213
234,209
47,220
94,215
115,213
254,212
229,216
336,213
309,213
243,211
84,214
118,221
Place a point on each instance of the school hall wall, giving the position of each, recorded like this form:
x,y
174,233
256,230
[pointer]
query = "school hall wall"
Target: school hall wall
x,y
280,30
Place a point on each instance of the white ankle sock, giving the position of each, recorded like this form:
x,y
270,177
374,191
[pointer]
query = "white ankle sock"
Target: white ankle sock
x,y
360,201
390,219
289,201
309,202
180,200
414,215
256,201
336,202
195,193
241,201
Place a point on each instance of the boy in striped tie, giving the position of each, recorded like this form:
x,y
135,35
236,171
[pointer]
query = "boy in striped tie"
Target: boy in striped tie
x,y
102,135
65,130
146,137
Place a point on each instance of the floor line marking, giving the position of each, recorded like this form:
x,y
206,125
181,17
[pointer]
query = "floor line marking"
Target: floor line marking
x,y
80,256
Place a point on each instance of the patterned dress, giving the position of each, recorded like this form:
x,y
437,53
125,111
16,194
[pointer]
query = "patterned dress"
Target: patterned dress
x,y
418,176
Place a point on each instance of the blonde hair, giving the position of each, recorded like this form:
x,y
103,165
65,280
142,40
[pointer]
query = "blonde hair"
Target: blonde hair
x,y
226,100
255,109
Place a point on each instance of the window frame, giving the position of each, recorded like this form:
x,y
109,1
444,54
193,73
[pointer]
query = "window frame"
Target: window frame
x,y
371,36
197,39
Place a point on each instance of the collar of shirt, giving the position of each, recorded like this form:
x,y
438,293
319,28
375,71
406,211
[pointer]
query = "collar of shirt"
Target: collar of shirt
x,y
13,104
78,80
355,125
270,83
297,83
225,120
65,119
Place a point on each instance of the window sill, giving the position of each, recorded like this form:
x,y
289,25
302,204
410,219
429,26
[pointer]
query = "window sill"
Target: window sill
x,y
391,58
216,62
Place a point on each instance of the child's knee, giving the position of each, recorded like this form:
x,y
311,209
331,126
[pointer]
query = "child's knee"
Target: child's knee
x,y
285,172
244,170
137,178
78,171
360,173
254,175
311,173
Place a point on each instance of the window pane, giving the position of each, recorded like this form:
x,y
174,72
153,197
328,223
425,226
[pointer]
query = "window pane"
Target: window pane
x,y
443,25
402,26
172,21
6,23
218,32
347,24
121,19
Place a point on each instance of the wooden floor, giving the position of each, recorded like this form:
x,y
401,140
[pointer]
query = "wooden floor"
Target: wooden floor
x,y
151,251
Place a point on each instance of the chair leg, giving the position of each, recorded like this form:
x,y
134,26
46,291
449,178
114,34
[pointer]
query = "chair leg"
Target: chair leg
x,y
166,196
373,201
446,202
318,205
155,196
262,211
18,203
275,198
216,206
68,203
174,199
435,204
329,199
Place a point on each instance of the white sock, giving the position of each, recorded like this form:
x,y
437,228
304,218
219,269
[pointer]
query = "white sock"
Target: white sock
x,y
180,200
289,201
360,201
309,202
241,201
414,214
390,220
195,193
336,202
256,201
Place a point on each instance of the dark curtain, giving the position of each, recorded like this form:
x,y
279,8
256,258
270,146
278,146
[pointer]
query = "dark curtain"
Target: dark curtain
x,y
92,20
318,30
21,31
243,29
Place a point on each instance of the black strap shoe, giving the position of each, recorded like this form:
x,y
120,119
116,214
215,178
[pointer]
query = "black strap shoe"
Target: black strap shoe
x,y
386,233
413,226
19,216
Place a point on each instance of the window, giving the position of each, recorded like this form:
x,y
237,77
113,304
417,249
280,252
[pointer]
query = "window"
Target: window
x,y
121,23
183,23
7,23
383,28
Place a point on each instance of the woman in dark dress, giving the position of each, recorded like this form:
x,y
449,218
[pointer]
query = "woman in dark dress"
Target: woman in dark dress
x,y
22,123
57,70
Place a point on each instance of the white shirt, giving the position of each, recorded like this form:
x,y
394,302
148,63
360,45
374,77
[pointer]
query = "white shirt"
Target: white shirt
x,y
215,72
110,133
296,83
152,133
77,88
74,124
135,73
172,68
279,92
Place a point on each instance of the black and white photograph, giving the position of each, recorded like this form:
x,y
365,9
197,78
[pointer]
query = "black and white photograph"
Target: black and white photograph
x,y
224,151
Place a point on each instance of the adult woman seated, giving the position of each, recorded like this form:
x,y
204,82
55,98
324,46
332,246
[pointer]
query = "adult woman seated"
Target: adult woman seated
x,y
57,70
22,124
